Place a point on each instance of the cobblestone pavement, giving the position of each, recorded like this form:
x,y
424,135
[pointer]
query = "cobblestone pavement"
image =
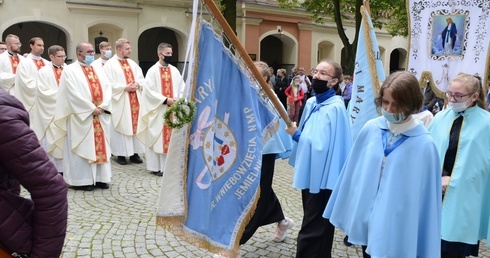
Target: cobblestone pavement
x,y
120,221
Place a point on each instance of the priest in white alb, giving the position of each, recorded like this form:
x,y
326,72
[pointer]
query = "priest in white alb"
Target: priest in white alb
x,y
45,104
127,84
105,50
163,82
83,116
9,61
27,72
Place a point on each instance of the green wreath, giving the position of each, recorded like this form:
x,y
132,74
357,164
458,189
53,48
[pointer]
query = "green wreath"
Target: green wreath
x,y
180,113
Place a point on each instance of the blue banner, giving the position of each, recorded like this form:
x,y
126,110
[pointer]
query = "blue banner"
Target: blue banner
x,y
225,146
368,75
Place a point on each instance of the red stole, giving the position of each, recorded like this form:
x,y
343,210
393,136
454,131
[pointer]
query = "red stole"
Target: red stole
x,y
97,98
133,97
14,60
167,90
57,74
39,63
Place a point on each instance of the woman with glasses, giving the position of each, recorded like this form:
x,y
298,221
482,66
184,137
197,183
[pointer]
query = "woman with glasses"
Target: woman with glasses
x,y
387,198
322,144
462,137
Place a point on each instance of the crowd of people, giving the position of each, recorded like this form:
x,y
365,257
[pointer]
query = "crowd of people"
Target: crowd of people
x,y
294,89
65,122
68,120
371,189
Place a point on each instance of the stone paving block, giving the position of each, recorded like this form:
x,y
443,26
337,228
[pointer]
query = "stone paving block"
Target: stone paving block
x,y
120,221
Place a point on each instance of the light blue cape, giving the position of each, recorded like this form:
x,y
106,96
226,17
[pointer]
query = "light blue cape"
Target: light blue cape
x,y
466,206
325,142
402,217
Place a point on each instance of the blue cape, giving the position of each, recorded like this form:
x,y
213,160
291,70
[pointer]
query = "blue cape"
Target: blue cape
x,y
401,218
466,205
325,142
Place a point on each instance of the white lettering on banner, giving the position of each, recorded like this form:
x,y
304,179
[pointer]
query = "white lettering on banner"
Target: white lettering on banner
x,y
252,126
203,91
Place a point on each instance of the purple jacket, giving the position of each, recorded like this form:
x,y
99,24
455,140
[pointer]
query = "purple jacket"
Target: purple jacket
x,y
35,226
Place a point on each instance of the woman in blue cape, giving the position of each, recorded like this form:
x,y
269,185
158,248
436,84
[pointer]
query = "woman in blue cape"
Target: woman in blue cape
x,y
269,208
387,198
322,144
462,137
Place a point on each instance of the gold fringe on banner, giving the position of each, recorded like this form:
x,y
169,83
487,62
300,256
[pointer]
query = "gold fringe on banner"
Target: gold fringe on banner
x,y
175,224
369,50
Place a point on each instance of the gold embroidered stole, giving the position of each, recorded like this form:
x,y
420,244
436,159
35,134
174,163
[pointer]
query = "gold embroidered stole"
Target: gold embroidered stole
x,y
133,97
97,98
39,63
57,74
167,90
14,60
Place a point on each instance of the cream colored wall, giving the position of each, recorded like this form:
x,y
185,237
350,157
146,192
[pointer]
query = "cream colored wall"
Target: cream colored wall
x,y
128,19
13,12
84,22
175,19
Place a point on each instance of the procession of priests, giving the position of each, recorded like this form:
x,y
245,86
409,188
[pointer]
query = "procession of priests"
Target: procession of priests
x,y
85,112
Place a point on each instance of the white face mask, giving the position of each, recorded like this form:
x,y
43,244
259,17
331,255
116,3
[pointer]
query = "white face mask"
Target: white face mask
x,y
458,106
107,53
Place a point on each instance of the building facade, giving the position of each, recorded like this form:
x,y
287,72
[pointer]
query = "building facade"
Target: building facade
x,y
282,38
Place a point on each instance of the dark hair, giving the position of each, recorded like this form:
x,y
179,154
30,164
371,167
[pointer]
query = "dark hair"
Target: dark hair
x,y
33,40
405,92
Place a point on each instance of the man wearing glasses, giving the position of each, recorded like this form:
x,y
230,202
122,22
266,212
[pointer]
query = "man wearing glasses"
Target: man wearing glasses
x,y
83,111
45,104
9,61
27,72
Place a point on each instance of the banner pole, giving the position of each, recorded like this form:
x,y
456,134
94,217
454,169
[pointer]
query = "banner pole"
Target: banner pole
x,y
248,61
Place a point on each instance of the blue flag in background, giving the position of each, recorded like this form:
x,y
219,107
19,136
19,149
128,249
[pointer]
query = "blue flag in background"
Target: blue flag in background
x,y
368,74
225,146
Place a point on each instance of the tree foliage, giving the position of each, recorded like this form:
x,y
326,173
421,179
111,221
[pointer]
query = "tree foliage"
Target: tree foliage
x,y
228,9
389,14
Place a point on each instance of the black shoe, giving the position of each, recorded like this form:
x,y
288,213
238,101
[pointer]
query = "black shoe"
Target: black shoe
x,y
102,185
84,187
121,160
157,173
136,159
346,241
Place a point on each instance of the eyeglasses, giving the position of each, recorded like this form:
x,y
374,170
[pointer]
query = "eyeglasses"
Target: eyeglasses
x,y
323,73
18,44
457,97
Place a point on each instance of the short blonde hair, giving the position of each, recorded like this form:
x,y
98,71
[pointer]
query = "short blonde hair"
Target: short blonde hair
x,y
120,42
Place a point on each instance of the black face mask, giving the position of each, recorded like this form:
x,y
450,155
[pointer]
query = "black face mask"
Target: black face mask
x,y
319,86
167,59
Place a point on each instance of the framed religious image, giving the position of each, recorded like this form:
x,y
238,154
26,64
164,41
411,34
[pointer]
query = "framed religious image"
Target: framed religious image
x,y
448,35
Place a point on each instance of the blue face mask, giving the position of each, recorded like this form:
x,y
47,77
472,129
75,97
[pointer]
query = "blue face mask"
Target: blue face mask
x,y
88,59
108,53
394,118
